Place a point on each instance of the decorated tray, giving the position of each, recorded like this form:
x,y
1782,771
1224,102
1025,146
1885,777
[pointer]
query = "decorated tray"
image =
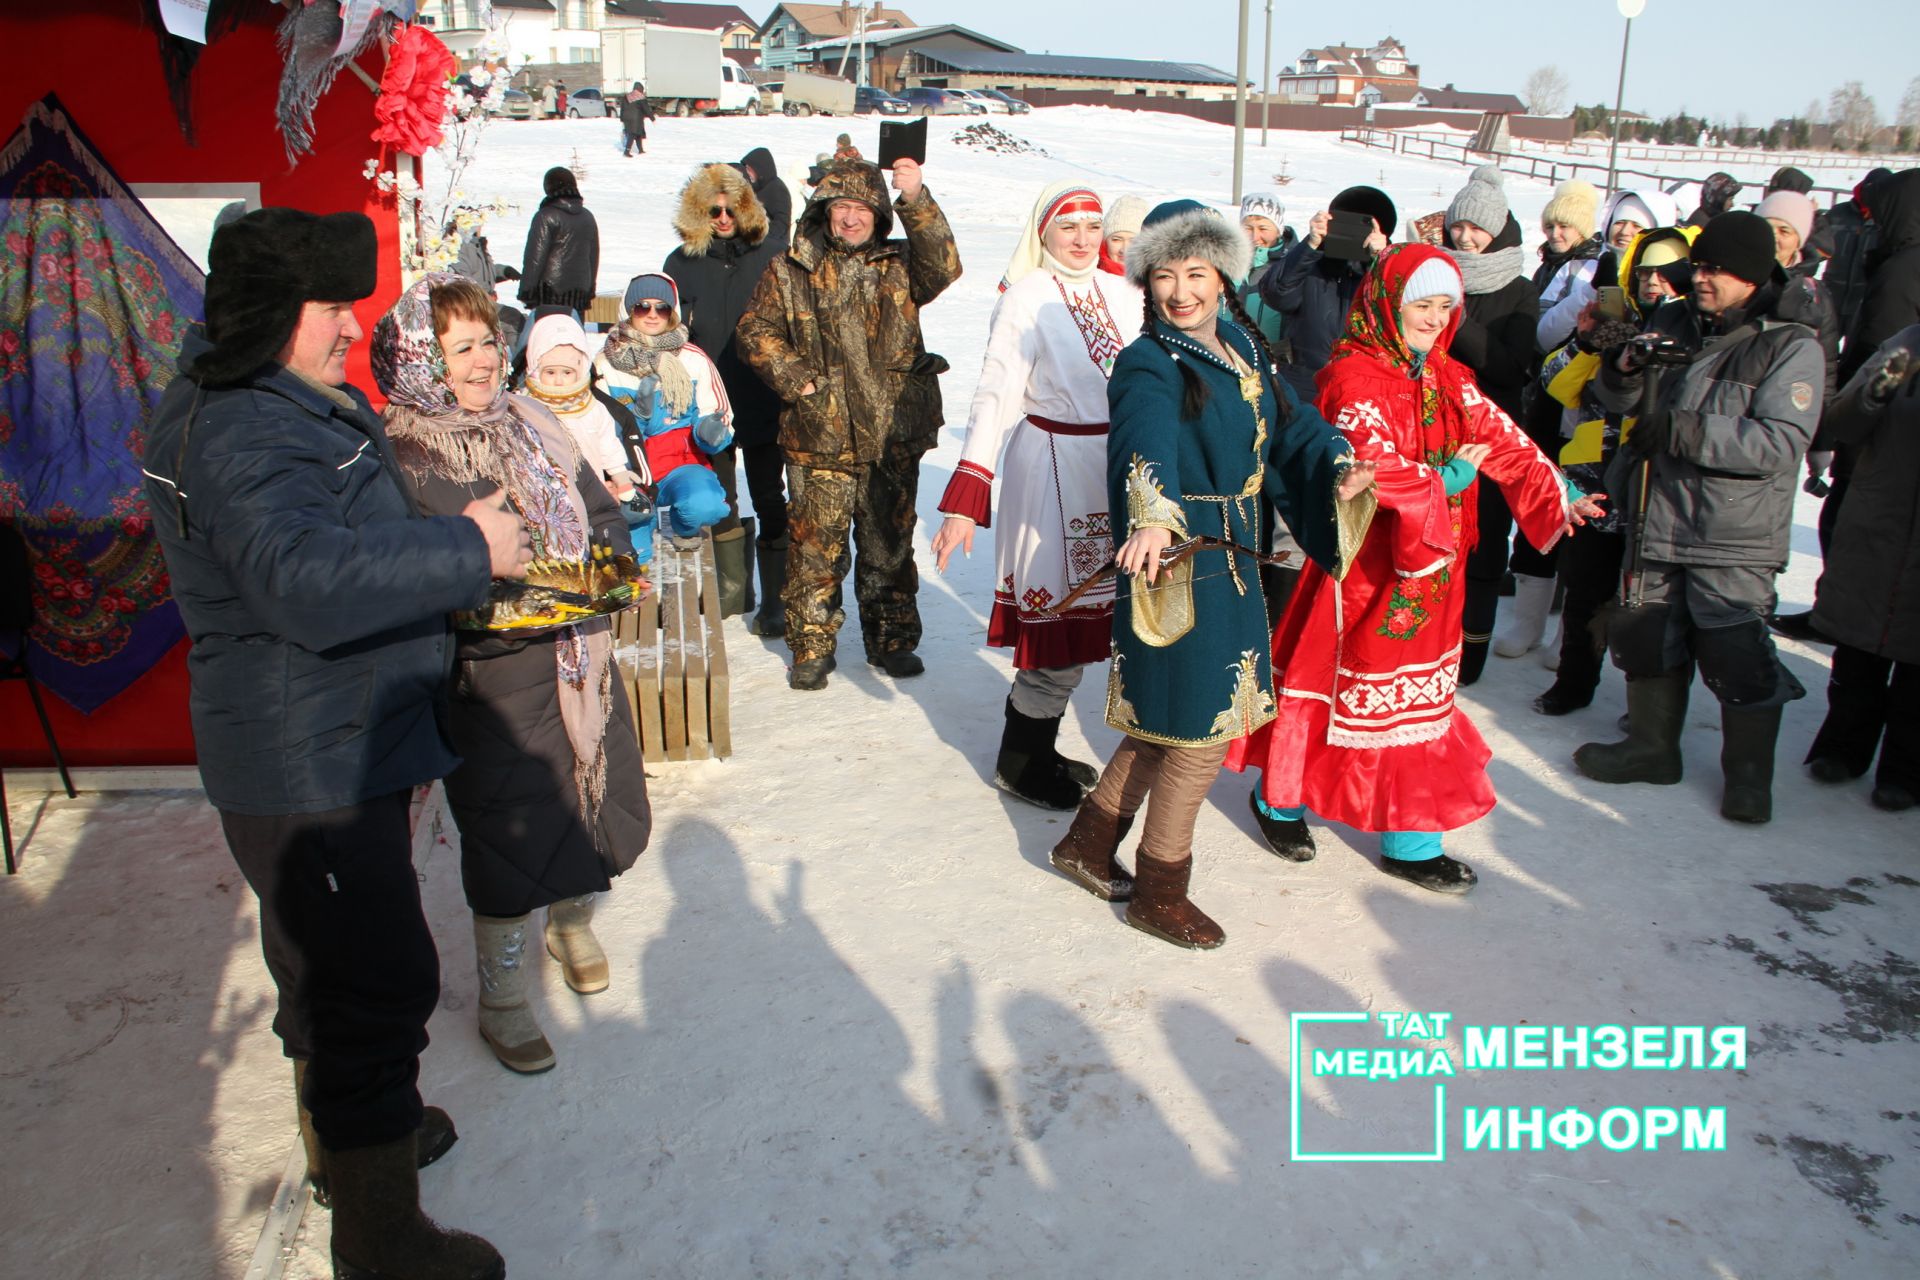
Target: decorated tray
x,y
557,592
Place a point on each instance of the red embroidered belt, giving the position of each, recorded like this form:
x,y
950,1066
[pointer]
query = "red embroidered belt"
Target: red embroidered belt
x,y
1068,428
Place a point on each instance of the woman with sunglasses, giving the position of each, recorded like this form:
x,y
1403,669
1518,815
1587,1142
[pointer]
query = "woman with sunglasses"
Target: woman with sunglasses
x,y
550,796
675,393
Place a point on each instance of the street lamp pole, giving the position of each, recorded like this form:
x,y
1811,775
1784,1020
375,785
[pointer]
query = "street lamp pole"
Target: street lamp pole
x,y
1240,108
1266,76
1629,9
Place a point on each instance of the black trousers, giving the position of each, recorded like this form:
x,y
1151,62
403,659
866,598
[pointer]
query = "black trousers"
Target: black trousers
x,y
1590,566
766,487
1869,696
1486,565
349,949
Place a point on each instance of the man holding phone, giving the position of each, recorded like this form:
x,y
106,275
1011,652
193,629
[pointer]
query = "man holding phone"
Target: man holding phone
x,y
834,328
1315,284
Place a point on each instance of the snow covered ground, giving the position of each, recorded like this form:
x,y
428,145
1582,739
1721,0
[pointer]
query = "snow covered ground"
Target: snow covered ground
x,y
859,1028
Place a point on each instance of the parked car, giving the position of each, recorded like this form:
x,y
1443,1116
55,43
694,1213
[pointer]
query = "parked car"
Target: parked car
x,y
1014,105
773,97
515,104
991,104
940,102
868,100
587,103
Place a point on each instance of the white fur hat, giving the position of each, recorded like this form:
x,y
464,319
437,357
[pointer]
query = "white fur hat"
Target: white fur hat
x,y
1182,229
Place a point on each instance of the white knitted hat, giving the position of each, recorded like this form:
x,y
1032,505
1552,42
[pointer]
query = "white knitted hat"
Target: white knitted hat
x,y
1437,275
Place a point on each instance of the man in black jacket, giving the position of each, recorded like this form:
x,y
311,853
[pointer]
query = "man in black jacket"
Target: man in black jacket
x,y
317,603
1314,290
635,111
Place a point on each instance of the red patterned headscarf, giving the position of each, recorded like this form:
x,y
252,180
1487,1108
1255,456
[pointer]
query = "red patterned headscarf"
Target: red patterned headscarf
x,y
1373,322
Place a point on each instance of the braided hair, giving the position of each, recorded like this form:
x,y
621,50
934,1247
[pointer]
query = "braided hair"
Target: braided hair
x,y
1193,395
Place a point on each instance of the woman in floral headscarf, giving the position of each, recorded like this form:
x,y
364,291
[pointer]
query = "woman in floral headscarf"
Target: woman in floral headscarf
x,y
550,798
1367,732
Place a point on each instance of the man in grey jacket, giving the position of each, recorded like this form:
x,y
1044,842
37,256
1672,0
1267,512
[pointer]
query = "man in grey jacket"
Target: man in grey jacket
x,y
1706,478
317,600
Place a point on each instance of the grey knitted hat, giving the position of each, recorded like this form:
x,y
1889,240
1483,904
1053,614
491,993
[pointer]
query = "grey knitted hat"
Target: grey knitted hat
x,y
1483,201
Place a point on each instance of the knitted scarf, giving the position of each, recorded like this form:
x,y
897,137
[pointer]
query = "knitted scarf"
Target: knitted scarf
x,y
1490,271
631,351
517,445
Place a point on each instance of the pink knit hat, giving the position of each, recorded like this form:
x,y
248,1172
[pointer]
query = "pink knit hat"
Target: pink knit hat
x,y
1791,208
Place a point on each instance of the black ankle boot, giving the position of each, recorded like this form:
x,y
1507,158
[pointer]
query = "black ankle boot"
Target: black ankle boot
x,y
1028,767
1287,837
1441,874
811,673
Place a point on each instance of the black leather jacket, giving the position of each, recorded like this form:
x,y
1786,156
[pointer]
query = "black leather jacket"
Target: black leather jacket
x,y
562,260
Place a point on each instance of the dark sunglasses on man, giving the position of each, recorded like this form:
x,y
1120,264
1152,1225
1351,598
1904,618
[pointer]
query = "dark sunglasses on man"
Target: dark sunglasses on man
x,y
719,211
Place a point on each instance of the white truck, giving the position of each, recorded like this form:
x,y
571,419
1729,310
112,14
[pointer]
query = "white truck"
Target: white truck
x,y
683,69
804,93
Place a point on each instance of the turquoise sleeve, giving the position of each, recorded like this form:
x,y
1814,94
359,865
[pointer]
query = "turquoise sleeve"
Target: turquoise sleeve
x,y
1457,474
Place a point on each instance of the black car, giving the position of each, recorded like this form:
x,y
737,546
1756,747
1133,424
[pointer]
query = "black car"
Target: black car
x,y
867,100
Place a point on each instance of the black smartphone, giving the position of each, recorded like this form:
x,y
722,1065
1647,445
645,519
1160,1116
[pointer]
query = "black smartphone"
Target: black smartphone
x,y
1347,236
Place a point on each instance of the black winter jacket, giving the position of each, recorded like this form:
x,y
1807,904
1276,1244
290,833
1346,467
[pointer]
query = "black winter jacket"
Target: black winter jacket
x,y
1869,592
1314,292
714,290
1891,300
634,115
562,260
1496,333
315,595
774,197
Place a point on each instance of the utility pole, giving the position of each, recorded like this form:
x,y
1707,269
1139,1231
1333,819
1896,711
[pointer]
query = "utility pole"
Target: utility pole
x,y
1266,76
1240,108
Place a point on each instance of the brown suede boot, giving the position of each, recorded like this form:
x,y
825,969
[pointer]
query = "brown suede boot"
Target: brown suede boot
x,y
433,1139
379,1232
1086,855
1160,905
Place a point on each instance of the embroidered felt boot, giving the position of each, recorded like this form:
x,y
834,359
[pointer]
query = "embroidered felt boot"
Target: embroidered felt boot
x,y
379,1232
1160,905
1089,853
506,1022
1656,712
570,940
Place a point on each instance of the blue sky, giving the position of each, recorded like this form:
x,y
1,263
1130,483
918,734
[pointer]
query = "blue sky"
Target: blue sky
x,y
1762,57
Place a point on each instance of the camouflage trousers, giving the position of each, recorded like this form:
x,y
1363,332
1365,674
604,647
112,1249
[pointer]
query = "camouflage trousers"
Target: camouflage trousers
x,y
877,504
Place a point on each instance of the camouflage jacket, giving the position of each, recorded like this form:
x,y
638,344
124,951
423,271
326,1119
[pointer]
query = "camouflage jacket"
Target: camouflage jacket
x,y
848,321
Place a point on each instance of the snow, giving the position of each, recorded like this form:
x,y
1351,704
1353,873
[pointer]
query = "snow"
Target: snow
x,y
858,1027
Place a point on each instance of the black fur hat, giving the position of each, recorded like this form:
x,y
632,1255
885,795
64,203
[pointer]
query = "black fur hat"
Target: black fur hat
x,y
263,268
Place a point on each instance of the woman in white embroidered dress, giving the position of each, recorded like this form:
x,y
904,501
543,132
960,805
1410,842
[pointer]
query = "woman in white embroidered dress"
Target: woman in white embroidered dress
x,y
1042,398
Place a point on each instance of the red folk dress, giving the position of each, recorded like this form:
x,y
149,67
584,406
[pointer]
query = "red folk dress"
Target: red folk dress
x,y
1365,667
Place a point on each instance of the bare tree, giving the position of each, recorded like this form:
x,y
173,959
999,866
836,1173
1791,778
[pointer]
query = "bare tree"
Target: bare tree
x,y
1910,104
1852,114
1545,92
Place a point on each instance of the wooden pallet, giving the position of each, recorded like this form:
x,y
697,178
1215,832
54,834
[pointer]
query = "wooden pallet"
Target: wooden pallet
x,y
673,657
604,309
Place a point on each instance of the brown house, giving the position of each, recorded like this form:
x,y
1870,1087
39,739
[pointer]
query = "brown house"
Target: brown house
x,y
1338,74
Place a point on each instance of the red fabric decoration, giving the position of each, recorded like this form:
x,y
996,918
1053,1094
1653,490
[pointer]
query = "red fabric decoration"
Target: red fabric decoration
x,y
412,106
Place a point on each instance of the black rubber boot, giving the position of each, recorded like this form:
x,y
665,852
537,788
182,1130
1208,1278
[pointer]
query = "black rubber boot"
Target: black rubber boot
x,y
1747,737
1656,710
770,560
1029,768
1287,837
733,566
379,1232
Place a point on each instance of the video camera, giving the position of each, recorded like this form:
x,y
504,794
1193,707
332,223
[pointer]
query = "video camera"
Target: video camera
x,y
1657,350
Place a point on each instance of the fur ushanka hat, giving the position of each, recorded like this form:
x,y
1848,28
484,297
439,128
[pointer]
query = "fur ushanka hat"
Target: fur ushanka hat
x,y
263,268
1182,229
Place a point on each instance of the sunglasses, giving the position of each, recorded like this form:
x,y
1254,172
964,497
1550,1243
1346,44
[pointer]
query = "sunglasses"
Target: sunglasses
x,y
649,305
719,211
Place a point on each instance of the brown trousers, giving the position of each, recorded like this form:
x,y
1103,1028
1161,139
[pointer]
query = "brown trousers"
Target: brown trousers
x,y
1176,778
